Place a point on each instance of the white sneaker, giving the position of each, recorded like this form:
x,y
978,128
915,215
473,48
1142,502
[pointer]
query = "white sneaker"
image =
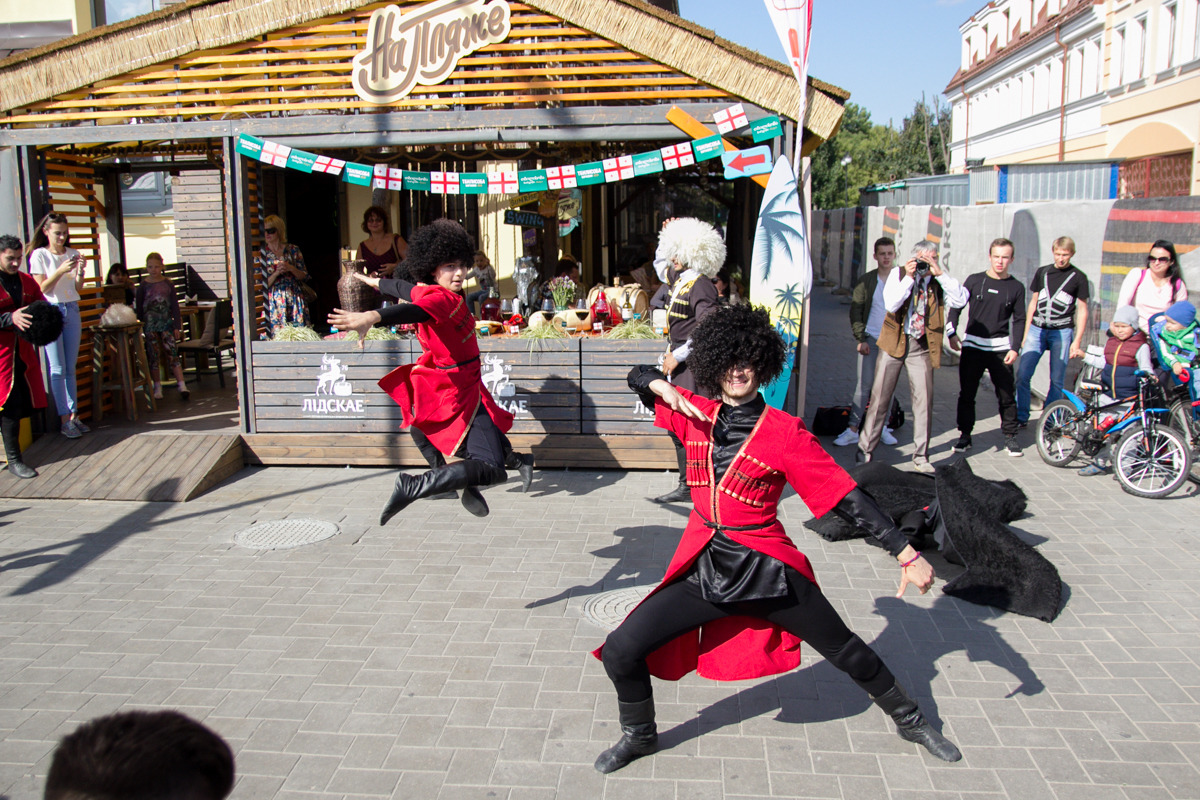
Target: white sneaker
x,y
886,437
158,391
846,437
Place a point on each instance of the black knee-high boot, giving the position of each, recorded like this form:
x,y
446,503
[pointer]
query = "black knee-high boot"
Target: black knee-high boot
x,y
639,736
681,493
912,725
433,457
459,475
10,430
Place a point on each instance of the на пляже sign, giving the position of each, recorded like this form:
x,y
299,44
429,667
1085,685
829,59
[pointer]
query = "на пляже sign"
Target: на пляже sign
x,y
424,45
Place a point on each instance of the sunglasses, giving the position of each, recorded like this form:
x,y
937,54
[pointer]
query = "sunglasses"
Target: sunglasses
x,y
269,231
1158,259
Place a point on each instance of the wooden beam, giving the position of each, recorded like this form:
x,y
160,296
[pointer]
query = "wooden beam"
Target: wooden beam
x,y
237,230
313,124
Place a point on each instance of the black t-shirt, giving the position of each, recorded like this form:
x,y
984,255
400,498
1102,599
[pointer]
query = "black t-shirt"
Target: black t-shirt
x,y
1057,291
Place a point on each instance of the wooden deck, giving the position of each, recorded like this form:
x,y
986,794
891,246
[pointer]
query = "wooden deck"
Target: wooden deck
x,y
123,465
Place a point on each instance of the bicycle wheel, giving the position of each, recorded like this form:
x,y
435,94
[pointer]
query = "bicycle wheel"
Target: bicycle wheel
x,y
1058,433
1151,462
1183,420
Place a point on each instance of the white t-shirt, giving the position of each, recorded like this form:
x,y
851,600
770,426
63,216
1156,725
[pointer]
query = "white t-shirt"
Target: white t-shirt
x,y
43,263
878,312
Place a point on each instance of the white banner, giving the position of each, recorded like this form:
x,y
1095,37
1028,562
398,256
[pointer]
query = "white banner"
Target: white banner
x,y
793,23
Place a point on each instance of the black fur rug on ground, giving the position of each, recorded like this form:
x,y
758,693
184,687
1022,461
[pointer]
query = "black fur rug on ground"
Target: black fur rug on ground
x,y
966,515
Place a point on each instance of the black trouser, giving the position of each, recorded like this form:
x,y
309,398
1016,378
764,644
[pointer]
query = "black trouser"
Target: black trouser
x,y
484,442
678,608
680,458
971,366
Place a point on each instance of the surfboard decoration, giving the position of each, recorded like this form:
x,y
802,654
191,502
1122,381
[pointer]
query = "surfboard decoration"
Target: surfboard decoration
x,y
781,268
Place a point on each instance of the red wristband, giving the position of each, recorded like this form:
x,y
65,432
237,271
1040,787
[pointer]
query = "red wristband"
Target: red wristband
x,y
911,561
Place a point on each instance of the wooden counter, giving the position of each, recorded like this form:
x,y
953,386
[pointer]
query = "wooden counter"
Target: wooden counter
x,y
319,402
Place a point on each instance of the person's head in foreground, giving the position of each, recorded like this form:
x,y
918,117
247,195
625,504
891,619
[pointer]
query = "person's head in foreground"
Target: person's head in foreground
x,y
736,350
141,755
441,253
1179,316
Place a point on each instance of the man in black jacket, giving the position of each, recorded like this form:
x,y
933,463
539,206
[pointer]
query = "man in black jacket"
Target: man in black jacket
x,y
989,343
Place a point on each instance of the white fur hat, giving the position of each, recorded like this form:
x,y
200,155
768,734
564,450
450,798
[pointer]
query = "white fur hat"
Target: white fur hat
x,y
693,243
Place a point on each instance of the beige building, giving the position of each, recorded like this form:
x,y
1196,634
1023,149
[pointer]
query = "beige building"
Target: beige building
x,y
1083,80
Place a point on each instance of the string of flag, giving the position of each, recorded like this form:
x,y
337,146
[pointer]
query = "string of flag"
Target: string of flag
x,y
737,163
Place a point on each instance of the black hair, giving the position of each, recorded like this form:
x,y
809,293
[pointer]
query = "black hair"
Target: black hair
x,y
883,241
1173,271
117,266
734,336
442,241
565,266
45,326
8,242
141,755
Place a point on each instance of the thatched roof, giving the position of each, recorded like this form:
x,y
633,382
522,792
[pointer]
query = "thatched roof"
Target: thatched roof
x,y
184,28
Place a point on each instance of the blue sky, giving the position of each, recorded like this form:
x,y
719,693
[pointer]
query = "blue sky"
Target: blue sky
x,y
884,53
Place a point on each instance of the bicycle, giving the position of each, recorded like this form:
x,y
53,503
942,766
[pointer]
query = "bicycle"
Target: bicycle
x,y
1184,416
1149,459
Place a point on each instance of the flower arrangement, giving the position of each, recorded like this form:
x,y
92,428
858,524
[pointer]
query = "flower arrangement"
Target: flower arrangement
x,y
563,290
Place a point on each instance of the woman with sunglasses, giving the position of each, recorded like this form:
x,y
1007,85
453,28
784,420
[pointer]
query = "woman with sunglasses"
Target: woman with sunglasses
x,y
283,274
1155,287
58,269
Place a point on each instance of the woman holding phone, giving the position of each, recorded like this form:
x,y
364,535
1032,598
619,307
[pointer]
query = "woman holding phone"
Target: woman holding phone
x,y
58,269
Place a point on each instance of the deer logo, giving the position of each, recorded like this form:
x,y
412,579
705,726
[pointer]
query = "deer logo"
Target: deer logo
x,y
495,377
333,377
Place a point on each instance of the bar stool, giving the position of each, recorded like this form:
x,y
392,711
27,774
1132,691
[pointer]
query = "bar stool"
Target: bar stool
x,y
132,369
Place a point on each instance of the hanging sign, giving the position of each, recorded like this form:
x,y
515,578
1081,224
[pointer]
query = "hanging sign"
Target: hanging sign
x,y
766,128
527,219
424,45
741,163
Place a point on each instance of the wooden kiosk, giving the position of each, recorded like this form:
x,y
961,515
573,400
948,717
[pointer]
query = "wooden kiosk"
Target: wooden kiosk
x,y
569,81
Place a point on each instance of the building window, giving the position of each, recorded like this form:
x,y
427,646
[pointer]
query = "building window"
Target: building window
x,y
1196,29
1166,35
121,10
1158,176
1116,58
1135,49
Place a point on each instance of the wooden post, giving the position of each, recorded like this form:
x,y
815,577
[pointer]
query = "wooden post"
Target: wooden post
x,y
237,230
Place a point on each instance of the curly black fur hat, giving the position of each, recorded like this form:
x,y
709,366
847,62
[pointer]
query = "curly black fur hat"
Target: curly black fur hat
x,y
734,336
46,324
440,242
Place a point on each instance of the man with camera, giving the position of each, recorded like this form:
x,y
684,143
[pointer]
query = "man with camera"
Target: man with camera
x,y
916,298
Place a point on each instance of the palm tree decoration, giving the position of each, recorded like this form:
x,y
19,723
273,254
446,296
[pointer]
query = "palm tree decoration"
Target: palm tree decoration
x,y
780,237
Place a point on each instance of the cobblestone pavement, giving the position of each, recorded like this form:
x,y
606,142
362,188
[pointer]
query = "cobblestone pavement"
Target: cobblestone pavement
x,y
447,657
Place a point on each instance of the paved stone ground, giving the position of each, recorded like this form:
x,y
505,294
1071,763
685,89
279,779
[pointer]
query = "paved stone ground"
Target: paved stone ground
x,y
446,657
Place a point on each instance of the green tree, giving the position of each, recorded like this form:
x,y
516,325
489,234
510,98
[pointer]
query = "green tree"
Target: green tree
x,y
862,153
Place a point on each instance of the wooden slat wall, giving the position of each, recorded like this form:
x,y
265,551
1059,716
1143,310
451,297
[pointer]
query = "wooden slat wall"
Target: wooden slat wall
x,y
569,398
200,229
544,63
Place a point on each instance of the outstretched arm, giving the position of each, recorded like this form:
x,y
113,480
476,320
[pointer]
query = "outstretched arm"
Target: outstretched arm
x,y
860,510
649,383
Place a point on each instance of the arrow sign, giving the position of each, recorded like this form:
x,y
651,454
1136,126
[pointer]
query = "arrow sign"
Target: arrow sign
x,y
744,163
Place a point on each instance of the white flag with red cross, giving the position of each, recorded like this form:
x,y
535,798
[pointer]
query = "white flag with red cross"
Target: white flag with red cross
x,y
330,166
275,154
731,119
679,155
560,177
618,169
443,182
395,180
502,183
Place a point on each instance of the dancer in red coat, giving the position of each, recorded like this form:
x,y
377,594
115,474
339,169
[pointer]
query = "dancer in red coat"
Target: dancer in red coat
x,y
21,387
441,396
738,597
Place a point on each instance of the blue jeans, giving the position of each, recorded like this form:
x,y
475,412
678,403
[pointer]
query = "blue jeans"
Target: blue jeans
x,y
62,355
1040,340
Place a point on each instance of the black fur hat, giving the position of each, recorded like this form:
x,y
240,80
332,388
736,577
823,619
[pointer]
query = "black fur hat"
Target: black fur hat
x,y
46,324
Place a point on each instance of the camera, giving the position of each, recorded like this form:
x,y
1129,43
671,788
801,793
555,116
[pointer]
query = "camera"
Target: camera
x,y
922,268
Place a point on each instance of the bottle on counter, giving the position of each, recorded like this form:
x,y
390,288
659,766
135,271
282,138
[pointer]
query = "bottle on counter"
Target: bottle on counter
x,y
600,309
489,309
627,306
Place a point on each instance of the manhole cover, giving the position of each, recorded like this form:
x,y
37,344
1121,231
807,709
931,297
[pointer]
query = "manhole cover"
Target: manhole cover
x,y
282,534
608,610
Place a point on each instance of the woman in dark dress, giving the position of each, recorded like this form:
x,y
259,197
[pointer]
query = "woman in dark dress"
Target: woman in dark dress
x,y
739,597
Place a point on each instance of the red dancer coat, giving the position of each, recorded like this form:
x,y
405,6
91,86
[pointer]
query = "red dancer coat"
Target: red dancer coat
x,y
779,451
441,392
11,344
